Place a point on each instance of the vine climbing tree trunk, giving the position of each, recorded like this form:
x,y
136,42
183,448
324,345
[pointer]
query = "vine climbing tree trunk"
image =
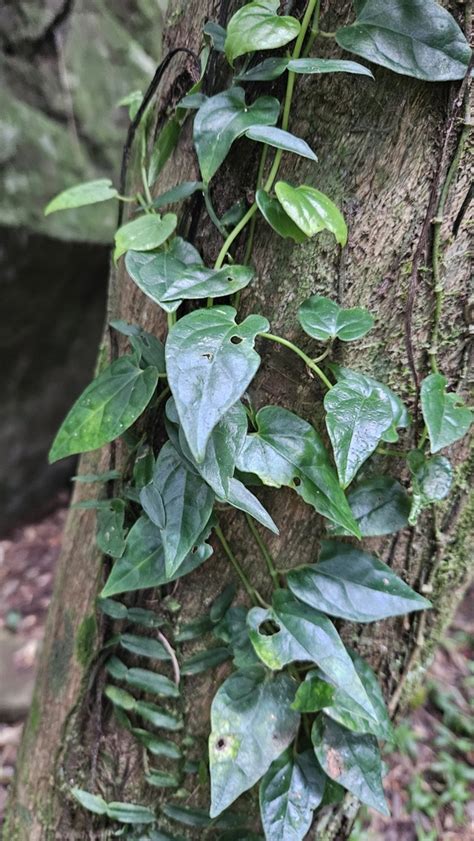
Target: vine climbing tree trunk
x,y
394,155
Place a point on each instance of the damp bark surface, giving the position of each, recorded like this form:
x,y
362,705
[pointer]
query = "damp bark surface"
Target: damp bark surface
x,y
379,146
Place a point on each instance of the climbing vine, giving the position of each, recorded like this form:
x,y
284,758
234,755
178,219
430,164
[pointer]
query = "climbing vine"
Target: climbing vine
x,y
300,713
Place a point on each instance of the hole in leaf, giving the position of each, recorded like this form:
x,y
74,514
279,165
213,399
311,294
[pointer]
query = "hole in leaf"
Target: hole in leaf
x,y
220,744
269,628
194,550
297,481
236,340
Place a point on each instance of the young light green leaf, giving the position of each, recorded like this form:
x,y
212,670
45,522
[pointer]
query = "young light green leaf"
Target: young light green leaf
x,y
251,724
352,760
200,350
290,791
286,450
323,319
307,635
222,119
258,26
179,193
240,497
110,535
432,481
144,233
142,564
311,210
187,505
158,717
353,585
444,413
80,195
379,505
281,140
108,406
326,65
91,802
357,415
205,660
274,214
412,37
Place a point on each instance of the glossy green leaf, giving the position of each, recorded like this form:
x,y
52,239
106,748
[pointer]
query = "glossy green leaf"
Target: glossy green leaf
x,y
311,210
314,694
200,350
357,415
130,813
265,71
412,37
148,347
156,745
444,413
205,660
251,725
107,407
92,802
290,791
281,140
379,505
152,504
349,715
240,497
143,646
233,630
400,416
111,608
142,564
352,760
353,585
286,450
158,717
432,481
222,119
153,272
120,698
304,635
187,505
274,214
163,148
80,195
151,682
144,233
110,535
323,319
272,68
258,26
179,193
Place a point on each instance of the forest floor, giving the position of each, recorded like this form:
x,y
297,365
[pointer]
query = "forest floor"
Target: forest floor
x,y
430,777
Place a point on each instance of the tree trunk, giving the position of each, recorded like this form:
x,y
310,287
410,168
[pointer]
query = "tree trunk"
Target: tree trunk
x,y
380,147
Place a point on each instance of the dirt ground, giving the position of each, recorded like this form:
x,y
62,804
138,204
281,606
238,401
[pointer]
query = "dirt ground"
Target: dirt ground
x,y
430,779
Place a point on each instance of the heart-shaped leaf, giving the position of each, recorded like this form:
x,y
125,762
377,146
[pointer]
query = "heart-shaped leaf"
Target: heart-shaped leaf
x,y
304,635
432,481
286,450
257,26
290,791
281,140
323,319
251,725
412,37
357,415
311,210
152,504
233,630
91,192
446,418
400,416
144,233
379,505
273,212
187,503
201,349
353,585
222,119
352,760
153,272
272,68
107,407
142,564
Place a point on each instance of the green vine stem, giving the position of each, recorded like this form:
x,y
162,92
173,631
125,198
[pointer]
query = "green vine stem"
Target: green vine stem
x,y
309,362
253,594
264,551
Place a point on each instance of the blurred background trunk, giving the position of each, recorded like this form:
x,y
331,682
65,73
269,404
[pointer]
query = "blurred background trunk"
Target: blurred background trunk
x,y
379,147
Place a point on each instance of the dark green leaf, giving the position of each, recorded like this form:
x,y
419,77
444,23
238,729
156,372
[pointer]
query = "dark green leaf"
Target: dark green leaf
x,y
352,760
195,629
107,476
200,350
150,350
217,34
281,140
116,668
151,682
286,450
274,214
143,468
353,585
91,802
221,604
115,610
311,210
110,535
80,195
143,646
290,791
258,26
412,37
432,481
162,779
379,505
240,497
233,630
153,272
142,564
158,717
400,416
348,714
222,119
444,413
266,71
304,635
357,415
205,660
252,724
234,214
323,319
120,698
192,101
179,193
152,504
108,406
144,233
130,813
157,746
147,618
326,65
163,148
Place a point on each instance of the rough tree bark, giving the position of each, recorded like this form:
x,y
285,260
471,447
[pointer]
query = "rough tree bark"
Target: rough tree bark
x,y
380,147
